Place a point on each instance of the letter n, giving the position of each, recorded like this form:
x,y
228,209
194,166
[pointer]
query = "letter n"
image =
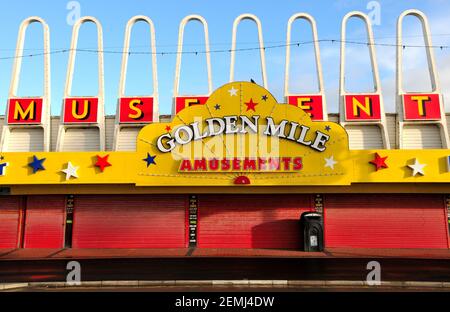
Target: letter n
x,y
358,107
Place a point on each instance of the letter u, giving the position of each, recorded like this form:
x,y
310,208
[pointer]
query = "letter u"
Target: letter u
x,y
85,112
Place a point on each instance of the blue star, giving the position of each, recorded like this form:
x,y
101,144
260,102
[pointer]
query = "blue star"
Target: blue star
x,y
328,128
217,107
37,164
150,160
3,169
265,98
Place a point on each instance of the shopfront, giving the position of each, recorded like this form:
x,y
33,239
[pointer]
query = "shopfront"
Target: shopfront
x,y
236,172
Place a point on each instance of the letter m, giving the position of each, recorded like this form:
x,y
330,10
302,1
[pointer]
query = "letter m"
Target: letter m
x,y
27,114
273,130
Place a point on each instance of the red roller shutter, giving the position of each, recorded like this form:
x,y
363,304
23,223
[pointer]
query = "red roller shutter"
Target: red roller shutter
x,y
130,221
44,222
385,221
10,221
251,221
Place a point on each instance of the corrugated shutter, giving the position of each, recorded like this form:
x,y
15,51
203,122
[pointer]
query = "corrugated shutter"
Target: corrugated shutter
x,y
44,222
246,221
421,137
364,137
391,121
26,140
81,139
54,122
110,122
126,140
447,118
2,123
155,221
385,221
10,212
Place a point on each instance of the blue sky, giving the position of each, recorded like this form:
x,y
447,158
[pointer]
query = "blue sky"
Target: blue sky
x,y
166,16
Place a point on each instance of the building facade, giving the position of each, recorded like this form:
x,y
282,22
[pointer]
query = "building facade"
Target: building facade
x,y
236,172
230,169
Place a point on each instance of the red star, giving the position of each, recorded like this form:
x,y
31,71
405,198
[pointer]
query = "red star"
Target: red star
x,y
251,105
102,162
379,162
168,128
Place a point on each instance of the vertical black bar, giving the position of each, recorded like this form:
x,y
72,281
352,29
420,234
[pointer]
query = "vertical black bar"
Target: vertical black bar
x,y
69,221
193,220
23,220
447,202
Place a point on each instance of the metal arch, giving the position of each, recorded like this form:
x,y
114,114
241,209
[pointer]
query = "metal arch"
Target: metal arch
x,y
125,57
371,43
375,75
15,78
428,42
19,53
435,83
73,52
312,22
255,19
183,24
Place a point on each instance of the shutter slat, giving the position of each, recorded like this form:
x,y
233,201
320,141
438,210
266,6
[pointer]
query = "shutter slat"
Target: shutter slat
x,y
246,221
391,122
26,140
109,132
44,222
127,138
81,139
421,137
54,127
130,222
385,221
364,137
9,222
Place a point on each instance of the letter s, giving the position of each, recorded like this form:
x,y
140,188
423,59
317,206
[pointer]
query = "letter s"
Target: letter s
x,y
298,164
137,111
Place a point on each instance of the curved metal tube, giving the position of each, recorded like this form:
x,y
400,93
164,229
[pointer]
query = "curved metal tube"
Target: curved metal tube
x,y
255,19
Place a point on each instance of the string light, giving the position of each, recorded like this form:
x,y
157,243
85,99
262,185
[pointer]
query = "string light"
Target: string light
x,y
298,44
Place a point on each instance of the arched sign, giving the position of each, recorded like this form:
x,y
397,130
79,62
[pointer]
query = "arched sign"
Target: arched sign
x,y
181,102
138,109
29,110
240,135
313,104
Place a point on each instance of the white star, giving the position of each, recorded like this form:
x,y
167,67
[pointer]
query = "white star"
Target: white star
x,y
417,168
330,162
233,91
71,171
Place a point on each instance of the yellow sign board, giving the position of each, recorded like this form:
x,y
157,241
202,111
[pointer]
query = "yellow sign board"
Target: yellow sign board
x,y
242,134
240,137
